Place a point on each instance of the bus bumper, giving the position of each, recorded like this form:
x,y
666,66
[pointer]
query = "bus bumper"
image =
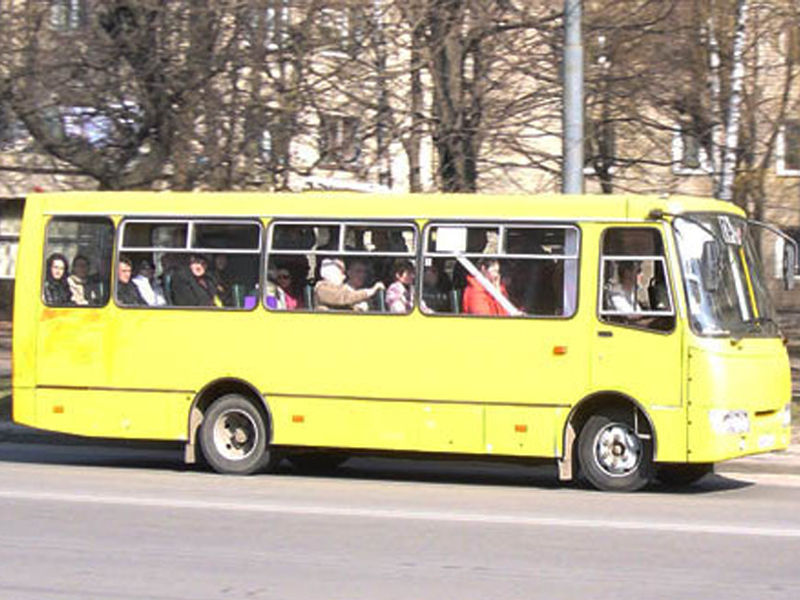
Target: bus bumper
x,y
723,435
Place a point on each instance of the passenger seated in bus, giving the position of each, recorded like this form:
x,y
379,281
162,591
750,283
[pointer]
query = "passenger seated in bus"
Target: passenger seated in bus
x,y
81,292
283,293
657,292
358,276
223,281
436,288
477,299
147,284
399,298
385,240
621,295
331,292
56,289
127,293
193,286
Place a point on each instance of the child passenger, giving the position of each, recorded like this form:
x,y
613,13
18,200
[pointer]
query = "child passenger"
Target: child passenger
x,y
399,295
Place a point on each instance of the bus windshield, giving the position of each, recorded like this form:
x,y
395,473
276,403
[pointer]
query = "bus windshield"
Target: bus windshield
x,y
739,303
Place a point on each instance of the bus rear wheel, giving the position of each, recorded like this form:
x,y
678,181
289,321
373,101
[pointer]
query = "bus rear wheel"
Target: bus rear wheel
x,y
233,436
611,456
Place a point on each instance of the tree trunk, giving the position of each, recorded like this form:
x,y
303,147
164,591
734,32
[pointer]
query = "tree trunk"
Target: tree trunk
x,y
728,163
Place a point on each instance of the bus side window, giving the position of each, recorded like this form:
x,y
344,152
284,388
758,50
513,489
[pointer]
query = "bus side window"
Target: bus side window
x,y
634,286
501,270
358,267
77,261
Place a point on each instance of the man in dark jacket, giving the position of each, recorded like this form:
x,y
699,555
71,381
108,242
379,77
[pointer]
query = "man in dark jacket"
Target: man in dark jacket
x,y
193,287
127,292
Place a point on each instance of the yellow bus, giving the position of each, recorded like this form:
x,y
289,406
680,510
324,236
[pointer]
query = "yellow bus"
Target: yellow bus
x,y
626,338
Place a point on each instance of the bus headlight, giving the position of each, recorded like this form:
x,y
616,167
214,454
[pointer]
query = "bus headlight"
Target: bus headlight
x,y
787,415
729,421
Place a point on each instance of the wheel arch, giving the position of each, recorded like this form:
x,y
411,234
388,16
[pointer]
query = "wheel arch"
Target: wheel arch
x,y
208,394
597,402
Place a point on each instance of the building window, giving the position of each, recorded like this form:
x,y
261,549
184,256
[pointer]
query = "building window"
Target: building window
x,y
12,130
341,29
792,44
789,149
689,157
271,22
66,15
339,142
599,146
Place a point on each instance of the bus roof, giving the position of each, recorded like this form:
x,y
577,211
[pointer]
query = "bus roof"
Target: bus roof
x,y
359,205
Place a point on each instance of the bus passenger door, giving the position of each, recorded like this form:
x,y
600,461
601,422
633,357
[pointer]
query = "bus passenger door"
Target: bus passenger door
x,y
73,323
637,346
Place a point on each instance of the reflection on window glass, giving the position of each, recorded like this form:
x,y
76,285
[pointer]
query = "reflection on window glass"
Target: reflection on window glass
x,y
499,270
231,237
217,268
360,267
155,235
77,261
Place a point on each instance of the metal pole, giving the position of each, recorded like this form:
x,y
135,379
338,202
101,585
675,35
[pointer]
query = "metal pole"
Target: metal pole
x,y
572,176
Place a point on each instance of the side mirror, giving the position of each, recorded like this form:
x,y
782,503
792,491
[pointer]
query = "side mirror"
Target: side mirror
x,y
710,268
789,262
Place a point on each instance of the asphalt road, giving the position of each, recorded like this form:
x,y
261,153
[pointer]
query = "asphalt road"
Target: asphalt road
x,y
103,523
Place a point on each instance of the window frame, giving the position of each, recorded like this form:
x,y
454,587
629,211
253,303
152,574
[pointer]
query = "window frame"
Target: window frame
x,y
780,154
502,225
331,148
187,248
679,155
601,312
112,264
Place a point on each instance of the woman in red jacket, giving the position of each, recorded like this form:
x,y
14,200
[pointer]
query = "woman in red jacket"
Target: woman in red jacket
x,y
477,299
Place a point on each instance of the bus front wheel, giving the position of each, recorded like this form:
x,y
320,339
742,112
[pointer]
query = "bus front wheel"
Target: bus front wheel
x,y
611,456
233,436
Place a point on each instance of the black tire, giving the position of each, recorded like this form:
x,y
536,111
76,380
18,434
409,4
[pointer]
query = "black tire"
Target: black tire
x,y
233,436
679,474
316,462
611,457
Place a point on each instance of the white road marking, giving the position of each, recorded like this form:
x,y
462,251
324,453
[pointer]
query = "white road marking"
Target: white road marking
x,y
403,515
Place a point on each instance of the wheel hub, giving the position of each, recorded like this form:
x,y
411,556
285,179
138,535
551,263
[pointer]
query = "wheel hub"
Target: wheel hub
x,y
235,434
617,449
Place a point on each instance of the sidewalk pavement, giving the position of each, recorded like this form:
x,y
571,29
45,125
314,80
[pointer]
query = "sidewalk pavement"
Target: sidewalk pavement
x,y
780,463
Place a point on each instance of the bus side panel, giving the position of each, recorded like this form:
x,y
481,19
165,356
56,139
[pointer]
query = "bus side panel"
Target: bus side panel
x,y
524,430
27,290
370,424
114,414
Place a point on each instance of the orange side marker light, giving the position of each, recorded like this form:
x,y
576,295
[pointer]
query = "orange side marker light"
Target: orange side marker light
x,y
559,350
58,409
298,419
520,428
